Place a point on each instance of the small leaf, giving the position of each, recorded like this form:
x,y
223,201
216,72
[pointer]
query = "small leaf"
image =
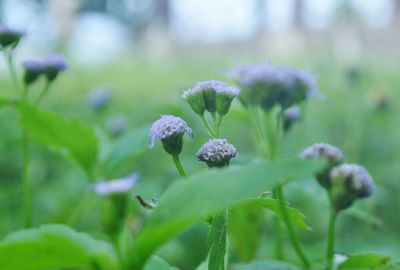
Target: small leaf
x,y
362,261
54,247
126,148
217,242
265,265
207,193
297,218
52,130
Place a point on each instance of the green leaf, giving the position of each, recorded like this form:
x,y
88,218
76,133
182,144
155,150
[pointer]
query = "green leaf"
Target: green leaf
x,y
126,148
246,223
207,193
156,263
365,261
217,242
265,265
54,247
53,130
297,218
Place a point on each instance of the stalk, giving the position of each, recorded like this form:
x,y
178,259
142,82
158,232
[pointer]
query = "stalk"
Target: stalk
x,y
330,250
26,184
11,68
42,94
179,166
207,126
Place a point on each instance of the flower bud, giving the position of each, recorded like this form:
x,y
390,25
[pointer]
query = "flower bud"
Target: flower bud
x,y
33,69
194,97
323,151
216,153
169,130
224,96
99,98
54,64
290,116
349,182
9,37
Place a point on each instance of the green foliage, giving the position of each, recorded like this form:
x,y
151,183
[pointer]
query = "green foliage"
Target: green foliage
x,y
126,148
54,247
208,192
217,242
53,130
365,261
156,263
246,223
297,218
263,265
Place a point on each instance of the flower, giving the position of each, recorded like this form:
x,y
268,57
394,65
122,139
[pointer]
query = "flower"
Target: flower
x,y
216,153
116,186
267,85
213,96
33,69
9,37
349,182
169,130
54,64
290,116
99,98
327,152
117,125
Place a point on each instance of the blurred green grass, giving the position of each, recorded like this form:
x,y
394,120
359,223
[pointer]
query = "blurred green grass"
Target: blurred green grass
x,y
351,115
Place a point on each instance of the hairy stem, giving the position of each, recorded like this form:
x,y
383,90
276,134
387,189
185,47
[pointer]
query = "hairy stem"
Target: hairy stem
x,y
179,166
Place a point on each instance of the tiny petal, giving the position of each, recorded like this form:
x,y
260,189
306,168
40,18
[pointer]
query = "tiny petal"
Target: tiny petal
x,y
116,186
216,152
169,130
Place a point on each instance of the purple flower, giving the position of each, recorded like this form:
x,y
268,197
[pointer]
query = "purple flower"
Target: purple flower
x,y
116,186
117,125
349,182
169,130
216,153
9,37
33,69
267,85
54,64
213,96
99,98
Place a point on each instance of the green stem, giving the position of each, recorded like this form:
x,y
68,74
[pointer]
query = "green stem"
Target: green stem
x,y
292,234
26,184
260,139
11,68
330,250
207,126
178,166
219,124
79,209
43,93
279,254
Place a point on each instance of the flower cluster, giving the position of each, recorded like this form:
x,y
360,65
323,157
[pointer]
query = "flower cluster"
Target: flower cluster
x,y
9,38
216,153
266,85
49,67
345,182
212,96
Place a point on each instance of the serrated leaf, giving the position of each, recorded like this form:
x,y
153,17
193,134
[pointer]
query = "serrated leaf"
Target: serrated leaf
x,y
127,147
52,130
54,247
217,242
365,261
297,218
207,193
265,265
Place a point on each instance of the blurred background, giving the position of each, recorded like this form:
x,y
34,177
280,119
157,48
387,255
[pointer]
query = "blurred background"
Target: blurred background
x,y
135,58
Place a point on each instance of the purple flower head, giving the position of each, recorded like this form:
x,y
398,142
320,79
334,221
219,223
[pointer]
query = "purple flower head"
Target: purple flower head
x,y
9,37
216,152
99,98
267,85
329,153
349,182
213,96
169,130
116,186
54,64
33,69
290,116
